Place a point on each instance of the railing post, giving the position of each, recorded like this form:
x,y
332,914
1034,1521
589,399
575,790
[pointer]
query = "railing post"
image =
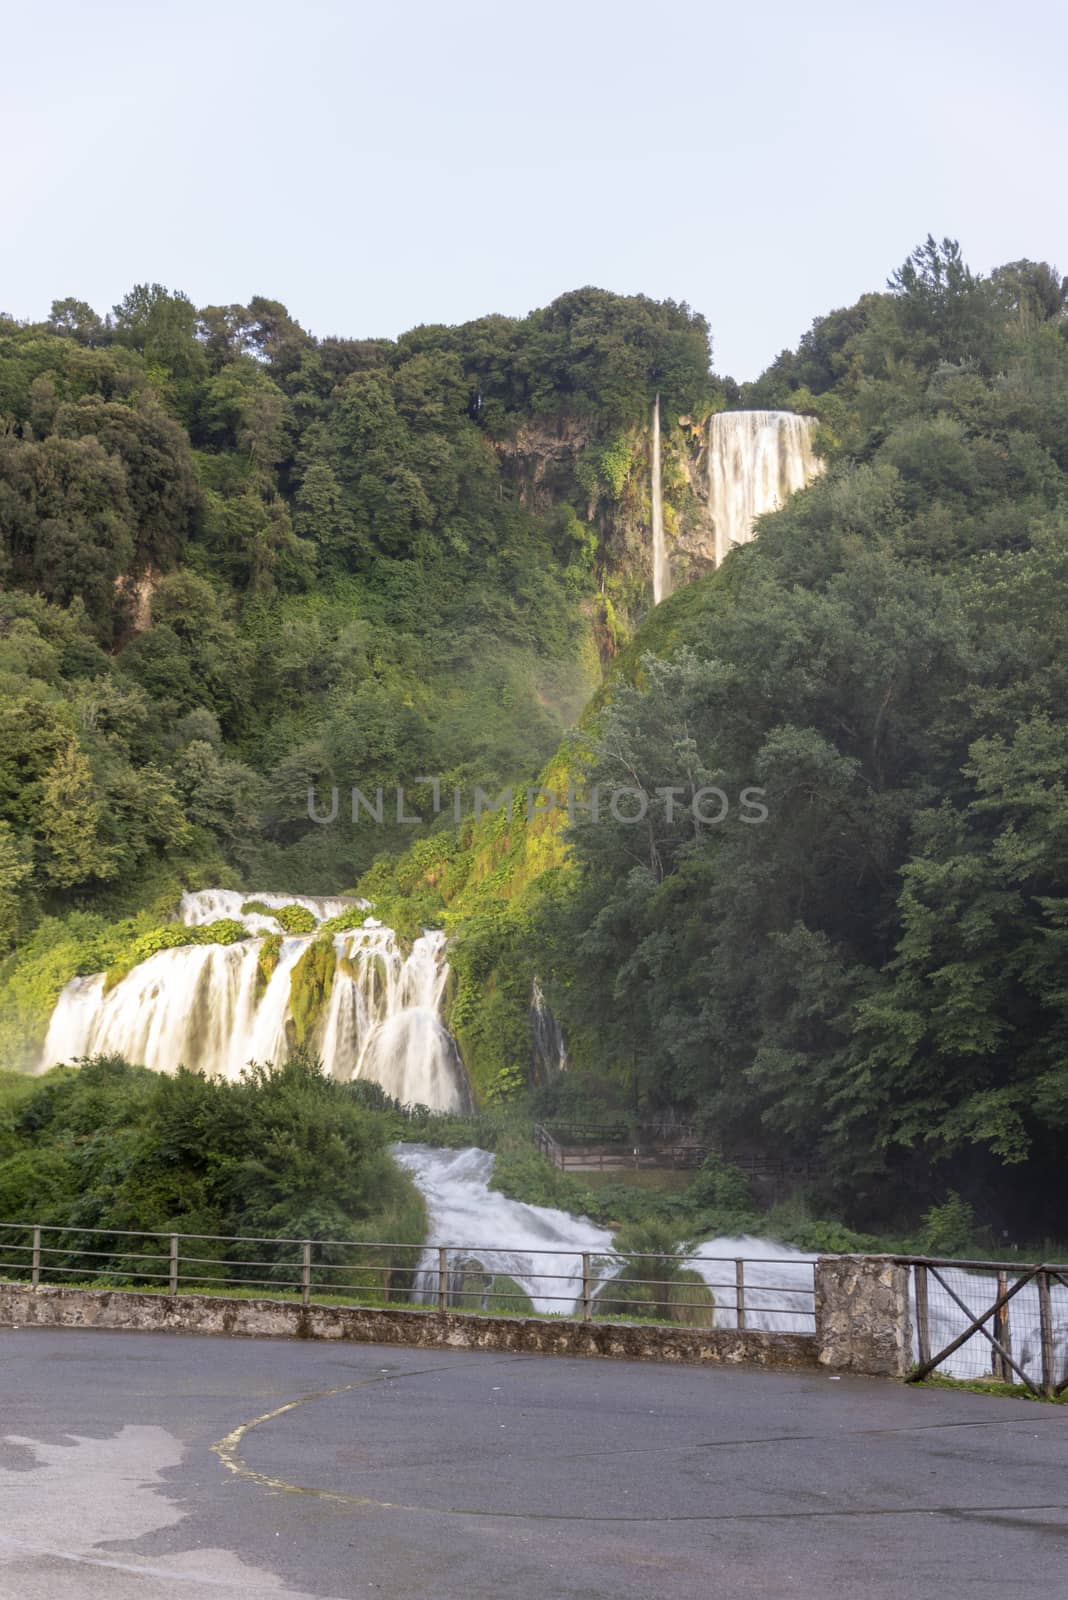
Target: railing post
x,y
1003,1333
923,1316
739,1281
1045,1323
587,1302
174,1264
443,1277
305,1273
35,1270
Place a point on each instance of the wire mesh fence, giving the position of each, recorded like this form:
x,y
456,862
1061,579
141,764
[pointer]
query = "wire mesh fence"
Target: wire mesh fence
x,y
764,1294
984,1321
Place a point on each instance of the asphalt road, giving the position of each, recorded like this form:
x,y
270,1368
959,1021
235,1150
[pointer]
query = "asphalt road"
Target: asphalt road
x,y
165,1467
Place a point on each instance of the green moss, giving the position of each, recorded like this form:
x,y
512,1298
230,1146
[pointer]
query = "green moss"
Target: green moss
x,y
345,921
225,930
296,919
266,962
256,908
313,979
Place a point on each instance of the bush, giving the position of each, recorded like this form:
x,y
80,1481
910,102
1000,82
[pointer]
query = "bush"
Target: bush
x,y
225,930
719,1184
288,1152
948,1229
295,919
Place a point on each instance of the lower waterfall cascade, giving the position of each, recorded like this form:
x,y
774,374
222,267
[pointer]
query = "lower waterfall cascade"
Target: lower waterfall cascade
x,y
540,1248
205,1006
756,460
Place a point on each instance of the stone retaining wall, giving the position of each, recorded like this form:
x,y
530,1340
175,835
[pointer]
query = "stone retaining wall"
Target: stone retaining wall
x,y
53,1306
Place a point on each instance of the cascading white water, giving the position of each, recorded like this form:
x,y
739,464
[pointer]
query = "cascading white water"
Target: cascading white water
x,y
384,1014
205,1006
202,906
541,1248
756,460
777,1288
661,568
503,1235
549,1045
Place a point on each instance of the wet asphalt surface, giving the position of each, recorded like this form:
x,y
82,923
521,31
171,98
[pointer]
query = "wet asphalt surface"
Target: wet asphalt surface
x,y
164,1466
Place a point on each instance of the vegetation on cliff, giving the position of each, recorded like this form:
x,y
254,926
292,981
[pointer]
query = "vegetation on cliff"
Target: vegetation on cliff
x,y
869,980
241,561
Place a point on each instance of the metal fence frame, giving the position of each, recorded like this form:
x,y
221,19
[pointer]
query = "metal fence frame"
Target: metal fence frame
x,y
610,1276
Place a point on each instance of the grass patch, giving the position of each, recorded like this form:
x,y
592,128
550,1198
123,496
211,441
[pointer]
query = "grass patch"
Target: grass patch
x,y
654,1180
1006,1391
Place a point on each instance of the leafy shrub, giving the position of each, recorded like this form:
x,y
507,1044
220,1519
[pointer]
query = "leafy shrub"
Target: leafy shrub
x,y
266,962
524,1174
345,921
658,1283
296,919
224,930
286,1151
948,1229
719,1184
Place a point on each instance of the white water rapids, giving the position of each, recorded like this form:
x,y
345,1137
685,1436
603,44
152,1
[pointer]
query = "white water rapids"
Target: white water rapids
x,y
541,1249
205,1006
756,460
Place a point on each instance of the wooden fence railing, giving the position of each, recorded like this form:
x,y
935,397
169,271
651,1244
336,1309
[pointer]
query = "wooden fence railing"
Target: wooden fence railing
x,y
1018,1336
587,1147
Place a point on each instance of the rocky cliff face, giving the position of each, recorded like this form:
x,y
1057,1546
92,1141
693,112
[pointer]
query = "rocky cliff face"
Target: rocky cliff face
x,y
718,475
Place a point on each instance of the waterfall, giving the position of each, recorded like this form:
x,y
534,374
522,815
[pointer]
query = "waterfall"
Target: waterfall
x,y
661,569
541,1248
549,1047
384,1014
756,460
207,1006
534,1245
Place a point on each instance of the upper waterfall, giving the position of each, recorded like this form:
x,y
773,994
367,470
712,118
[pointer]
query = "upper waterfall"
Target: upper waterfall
x,y
216,1007
756,459
661,569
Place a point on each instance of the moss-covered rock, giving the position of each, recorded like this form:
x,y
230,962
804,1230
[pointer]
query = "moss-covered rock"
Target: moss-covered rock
x,y
225,930
266,962
312,981
296,919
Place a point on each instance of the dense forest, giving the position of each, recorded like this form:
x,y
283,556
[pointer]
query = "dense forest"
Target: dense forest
x,y
239,560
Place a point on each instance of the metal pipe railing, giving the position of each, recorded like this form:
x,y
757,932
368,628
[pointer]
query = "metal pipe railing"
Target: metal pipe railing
x,y
591,1285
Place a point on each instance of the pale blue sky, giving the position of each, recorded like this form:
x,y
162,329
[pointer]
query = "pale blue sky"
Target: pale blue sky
x,y
376,167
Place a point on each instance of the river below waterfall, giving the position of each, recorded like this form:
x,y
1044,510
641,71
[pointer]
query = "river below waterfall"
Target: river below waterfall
x,y
541,1249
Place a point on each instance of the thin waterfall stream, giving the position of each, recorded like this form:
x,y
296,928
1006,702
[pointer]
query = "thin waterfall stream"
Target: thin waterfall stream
x,y
661,568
